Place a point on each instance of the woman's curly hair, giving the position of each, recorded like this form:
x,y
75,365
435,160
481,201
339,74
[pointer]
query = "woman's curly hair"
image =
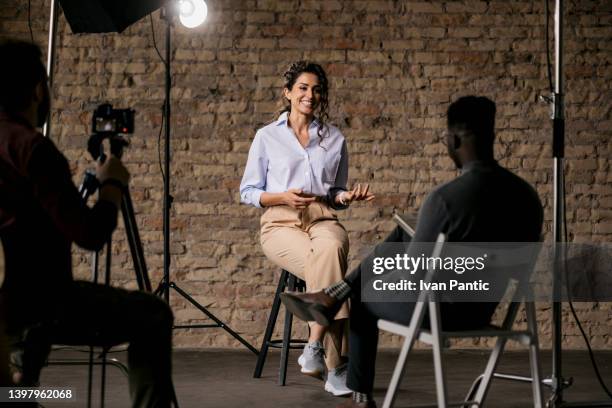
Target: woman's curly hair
x,y
291,75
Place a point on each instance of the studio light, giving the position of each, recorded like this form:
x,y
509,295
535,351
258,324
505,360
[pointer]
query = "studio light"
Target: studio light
x,y
192,13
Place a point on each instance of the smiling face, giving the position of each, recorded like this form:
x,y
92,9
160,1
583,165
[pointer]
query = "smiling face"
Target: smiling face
x,y
305,94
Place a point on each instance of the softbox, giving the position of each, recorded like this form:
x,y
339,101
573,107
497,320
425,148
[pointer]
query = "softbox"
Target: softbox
x,y
103,16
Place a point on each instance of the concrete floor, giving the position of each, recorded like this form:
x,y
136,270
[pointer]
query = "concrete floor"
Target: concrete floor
x,y
221,378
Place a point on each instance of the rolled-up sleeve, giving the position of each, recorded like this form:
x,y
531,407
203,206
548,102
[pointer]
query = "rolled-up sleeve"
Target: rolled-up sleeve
x,y
341,179
253,182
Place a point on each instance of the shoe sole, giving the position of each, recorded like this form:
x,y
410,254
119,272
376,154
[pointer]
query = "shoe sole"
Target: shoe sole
x,y
335,392
314,374
296,307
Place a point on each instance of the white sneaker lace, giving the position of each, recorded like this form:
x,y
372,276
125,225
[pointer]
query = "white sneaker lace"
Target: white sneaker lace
x,y
315,351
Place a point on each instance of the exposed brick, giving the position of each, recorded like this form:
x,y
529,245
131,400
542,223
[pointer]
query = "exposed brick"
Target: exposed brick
x,y
393,65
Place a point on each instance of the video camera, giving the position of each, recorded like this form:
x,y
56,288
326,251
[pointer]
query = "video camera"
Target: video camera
x,y
109,123
112,121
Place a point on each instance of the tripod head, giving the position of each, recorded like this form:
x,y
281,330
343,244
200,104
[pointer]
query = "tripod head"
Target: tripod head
x,y
96,148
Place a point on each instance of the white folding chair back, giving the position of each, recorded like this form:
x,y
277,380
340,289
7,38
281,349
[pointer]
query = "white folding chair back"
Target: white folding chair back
x,y
438,339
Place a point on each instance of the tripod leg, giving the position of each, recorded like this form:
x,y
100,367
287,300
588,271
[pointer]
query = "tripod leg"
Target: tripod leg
x,y
95,258
213,318
131,229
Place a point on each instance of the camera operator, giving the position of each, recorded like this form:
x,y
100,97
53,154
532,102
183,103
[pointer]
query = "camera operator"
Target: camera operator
x,y
41,215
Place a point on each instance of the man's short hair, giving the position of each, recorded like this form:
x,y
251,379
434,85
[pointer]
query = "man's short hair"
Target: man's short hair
x,y
21,71
476,114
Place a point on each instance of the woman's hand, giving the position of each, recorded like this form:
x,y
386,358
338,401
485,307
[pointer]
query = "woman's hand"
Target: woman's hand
x,y
295,198
358,193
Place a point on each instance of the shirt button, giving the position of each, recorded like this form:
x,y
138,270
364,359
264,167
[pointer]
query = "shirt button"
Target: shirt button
x,y
306,173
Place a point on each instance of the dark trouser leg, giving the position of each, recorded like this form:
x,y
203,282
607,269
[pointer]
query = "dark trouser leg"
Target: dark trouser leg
x,y
150,361
89,314
363,338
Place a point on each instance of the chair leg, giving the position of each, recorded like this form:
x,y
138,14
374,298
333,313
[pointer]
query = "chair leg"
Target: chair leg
x,y
400,366
90,376
534,357
265,345
103,379
491,366
437,346
282,374
398,373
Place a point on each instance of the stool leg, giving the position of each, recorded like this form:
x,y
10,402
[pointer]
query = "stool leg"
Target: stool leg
x,y
282,375
261,358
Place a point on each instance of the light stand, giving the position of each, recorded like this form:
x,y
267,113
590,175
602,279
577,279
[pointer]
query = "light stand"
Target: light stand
x,y
166,284
51,59
557,382
558,117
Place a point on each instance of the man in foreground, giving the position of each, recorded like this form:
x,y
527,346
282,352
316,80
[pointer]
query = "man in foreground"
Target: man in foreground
x,y
486,203
41,215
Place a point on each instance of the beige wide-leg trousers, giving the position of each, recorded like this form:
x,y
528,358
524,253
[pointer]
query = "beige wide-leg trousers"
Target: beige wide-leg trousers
x,y
312,245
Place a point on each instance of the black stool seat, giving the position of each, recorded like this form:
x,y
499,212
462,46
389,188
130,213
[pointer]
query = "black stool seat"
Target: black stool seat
x,y
292,283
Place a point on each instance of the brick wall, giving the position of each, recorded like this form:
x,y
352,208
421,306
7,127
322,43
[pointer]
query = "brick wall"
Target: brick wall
x,y
394,67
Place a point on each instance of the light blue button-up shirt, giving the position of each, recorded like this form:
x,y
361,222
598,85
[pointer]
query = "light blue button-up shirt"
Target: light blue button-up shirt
x,y
277,162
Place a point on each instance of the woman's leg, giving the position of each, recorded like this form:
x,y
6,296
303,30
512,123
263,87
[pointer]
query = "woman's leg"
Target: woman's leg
x,y
326,264
285,243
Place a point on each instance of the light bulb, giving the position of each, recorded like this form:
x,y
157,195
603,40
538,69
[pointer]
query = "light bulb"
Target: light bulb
x,y
192,13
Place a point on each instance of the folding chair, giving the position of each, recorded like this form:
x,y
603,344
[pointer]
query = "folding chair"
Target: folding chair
x,y
438,339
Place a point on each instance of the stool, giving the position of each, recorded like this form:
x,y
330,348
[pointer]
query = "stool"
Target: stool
x,y
292,283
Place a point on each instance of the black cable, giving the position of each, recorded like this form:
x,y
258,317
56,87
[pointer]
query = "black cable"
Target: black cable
x,y
547,39
159,155
30,20
161,169
571,305
154,40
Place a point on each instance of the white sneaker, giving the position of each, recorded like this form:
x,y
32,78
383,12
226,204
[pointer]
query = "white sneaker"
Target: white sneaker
x,y
336,381
311,360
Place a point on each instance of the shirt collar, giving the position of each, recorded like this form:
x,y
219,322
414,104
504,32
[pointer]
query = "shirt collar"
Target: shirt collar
x,y
282,120
478,165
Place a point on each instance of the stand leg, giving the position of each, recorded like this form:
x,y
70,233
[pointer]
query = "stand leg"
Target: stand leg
x,y
213,318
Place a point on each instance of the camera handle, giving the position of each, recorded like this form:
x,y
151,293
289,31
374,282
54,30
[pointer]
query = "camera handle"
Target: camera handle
x,y
96,149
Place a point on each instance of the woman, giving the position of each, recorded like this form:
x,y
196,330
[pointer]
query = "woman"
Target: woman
x,y
298,168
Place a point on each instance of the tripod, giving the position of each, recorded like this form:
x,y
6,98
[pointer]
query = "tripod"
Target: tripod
x,y
87,188
166,283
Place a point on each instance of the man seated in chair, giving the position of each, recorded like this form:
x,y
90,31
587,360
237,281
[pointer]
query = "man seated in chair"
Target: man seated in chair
x,y
41,215
485,203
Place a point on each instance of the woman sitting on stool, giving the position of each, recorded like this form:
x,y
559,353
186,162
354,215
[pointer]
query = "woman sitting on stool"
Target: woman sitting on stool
x,y
298,168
